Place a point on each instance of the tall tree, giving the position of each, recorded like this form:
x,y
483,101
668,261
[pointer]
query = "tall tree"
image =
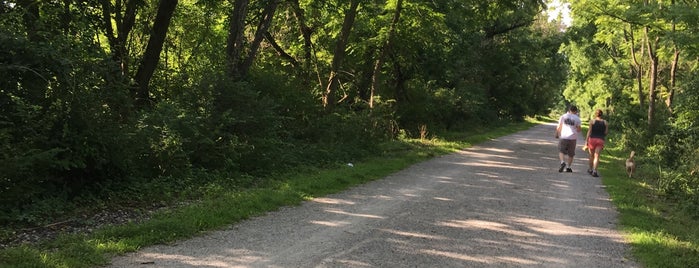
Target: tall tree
x,y
151,56
383,50
329,97
121,13
236,36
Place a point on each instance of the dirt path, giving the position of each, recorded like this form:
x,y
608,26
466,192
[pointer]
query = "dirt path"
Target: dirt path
x,y
502,203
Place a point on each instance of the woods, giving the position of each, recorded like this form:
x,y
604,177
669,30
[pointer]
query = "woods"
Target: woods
x,y
102,98
145,103
638,60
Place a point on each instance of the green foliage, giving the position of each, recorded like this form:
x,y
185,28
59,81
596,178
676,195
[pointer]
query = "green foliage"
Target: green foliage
x,y
605,74
663,233
71,134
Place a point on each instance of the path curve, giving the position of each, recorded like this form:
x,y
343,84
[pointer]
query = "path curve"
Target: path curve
x,y
501,203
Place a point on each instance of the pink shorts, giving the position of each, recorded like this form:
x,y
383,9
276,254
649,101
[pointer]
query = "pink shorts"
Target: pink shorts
x,y
594,143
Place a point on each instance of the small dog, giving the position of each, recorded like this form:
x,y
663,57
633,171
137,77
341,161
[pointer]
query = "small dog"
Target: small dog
x,y
630,164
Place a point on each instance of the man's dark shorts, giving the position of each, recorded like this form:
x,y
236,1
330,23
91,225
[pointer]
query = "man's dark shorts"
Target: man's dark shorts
x,y
567,147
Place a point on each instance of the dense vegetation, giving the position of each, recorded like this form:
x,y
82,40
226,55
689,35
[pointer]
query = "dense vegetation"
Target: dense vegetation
x,y
124,102
638,60
109,103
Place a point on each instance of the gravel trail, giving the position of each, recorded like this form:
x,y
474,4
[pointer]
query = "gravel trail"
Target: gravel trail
x,y
501,203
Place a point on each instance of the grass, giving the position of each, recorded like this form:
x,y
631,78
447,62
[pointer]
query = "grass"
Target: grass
x,y
223,207
661,233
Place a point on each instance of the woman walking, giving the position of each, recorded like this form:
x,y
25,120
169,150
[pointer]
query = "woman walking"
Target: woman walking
x,y
596,133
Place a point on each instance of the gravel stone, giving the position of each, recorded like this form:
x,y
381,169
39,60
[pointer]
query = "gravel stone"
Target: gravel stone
x,y
501,203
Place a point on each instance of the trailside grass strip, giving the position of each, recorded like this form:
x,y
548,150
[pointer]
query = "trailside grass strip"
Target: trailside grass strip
x,y
228,207
660,233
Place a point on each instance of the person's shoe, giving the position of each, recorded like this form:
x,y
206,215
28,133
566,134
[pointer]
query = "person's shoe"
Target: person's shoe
x,y
563,165
589,171
569,170
594,174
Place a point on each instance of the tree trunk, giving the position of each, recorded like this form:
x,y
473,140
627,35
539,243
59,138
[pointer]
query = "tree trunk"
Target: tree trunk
x,y
262,28
673,73
281,52
236,37
124,23
306,32
309,59
652,84
339,55
151,57
636,65
382,53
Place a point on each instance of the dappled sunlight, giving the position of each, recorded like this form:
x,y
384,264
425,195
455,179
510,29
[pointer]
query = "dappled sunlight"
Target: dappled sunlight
x,y
456,255
560,185
242,259
337,211
479,258
498,150
478,154
535,141
333,201
353,263
414,234
484,225
331,223
497,164
559,199
558,229
489,175
596,208
490,198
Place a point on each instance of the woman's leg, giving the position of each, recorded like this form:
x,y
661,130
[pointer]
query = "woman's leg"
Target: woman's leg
x,y
595,161
591,158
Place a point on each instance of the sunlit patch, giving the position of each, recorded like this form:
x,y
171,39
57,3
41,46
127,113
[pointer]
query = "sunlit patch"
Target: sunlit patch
x,y
242,258
384,197
443,199
413,234
489,175
513,260
331,223
597,208
352,263
457,256
497,164
560,185
337,211
333,201
485,225
557,228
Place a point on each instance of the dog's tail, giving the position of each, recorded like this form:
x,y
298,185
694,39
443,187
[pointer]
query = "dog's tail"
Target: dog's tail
x,y
632,154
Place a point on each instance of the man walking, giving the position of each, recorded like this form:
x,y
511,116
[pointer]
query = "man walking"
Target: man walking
x,y
569,125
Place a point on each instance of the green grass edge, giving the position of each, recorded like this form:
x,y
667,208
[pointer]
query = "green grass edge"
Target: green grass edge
x,y
229,207
661,234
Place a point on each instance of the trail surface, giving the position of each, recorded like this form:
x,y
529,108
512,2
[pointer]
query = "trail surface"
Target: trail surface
x,y
501,203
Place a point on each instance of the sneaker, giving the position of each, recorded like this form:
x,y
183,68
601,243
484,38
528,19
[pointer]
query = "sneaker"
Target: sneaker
x,y
569,170
594,174
589,171
563,165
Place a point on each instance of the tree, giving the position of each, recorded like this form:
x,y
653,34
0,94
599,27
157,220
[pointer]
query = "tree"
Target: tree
x,y
329,97
151,56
